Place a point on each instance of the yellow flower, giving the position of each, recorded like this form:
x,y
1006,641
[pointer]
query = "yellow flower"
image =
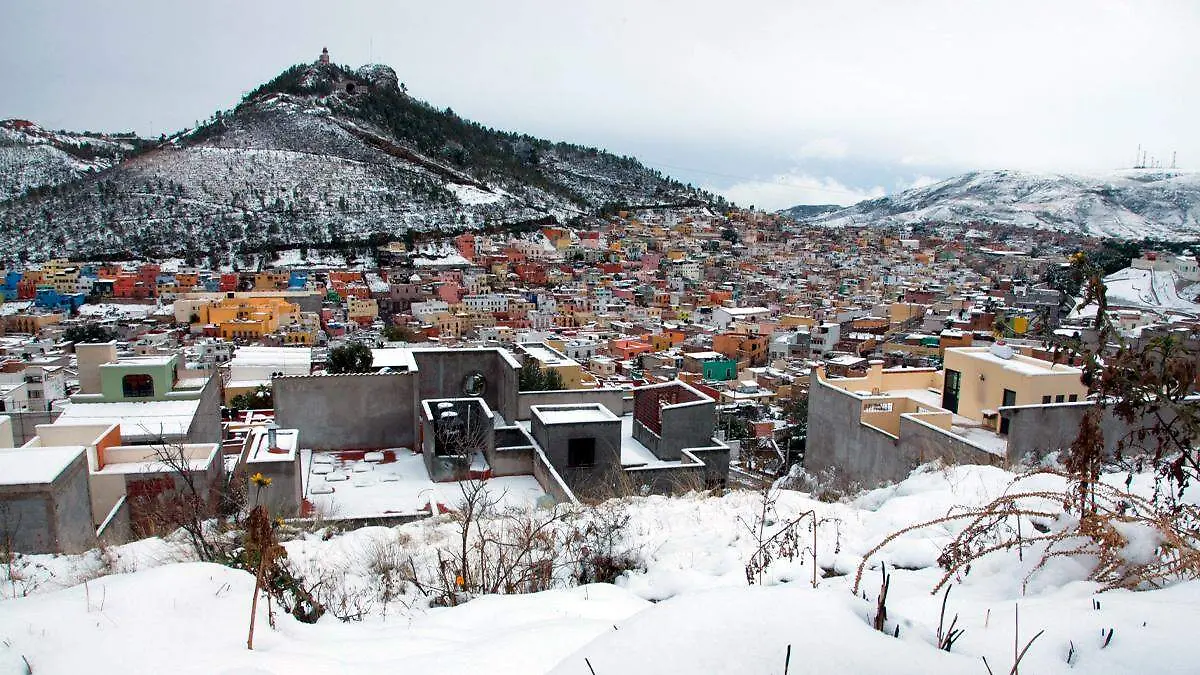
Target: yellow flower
x,y
260,480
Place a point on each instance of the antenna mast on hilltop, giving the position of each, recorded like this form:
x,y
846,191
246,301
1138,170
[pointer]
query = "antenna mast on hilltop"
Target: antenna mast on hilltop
x,y
1172,159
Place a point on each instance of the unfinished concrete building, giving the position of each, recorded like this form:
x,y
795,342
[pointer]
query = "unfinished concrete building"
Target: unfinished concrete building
x,y
462,411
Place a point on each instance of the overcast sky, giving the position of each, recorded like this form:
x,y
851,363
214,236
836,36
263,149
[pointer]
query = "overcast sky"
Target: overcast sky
x,y
769,103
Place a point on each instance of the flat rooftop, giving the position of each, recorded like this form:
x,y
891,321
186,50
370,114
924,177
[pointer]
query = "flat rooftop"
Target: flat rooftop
x,y
1019,363
141,361
548,356
394,482
137,419
287,442
36,466
270,356
574,414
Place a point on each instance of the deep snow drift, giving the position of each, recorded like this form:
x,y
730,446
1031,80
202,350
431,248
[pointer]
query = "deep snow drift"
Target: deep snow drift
x,y
690,610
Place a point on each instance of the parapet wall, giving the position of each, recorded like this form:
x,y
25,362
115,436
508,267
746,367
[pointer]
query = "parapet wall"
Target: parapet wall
x,y
346,412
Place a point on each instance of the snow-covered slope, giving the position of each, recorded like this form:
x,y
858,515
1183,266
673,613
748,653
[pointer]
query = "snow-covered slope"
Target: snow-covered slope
x,y
304,162
1148,289
689,611
1132,204
32,157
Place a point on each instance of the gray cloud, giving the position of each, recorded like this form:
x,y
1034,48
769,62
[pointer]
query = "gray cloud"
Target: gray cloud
x,y
856,97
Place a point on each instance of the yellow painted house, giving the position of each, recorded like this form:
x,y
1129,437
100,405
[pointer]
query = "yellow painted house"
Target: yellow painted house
x,y
249,318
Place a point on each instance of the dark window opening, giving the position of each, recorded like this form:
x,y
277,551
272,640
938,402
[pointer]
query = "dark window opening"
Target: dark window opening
x,y
951,390
1008,398
137,386
1073,398
1045,400
1060,398
581,452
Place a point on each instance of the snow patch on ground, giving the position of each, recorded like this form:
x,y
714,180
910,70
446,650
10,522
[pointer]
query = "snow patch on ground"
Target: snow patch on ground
x,y
473,196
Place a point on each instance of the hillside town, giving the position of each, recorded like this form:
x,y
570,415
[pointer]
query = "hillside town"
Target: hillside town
x,y
659,351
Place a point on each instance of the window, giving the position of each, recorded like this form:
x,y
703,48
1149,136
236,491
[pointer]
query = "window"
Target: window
x,y
137,386
474,384
1073,398
1060,398
581,452
1045,400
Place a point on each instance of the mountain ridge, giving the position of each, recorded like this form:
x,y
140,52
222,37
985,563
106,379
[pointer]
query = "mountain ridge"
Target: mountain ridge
x,y
1128,204
322,154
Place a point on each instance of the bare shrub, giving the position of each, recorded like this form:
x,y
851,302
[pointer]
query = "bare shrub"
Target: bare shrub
x,y
1096,534
598,544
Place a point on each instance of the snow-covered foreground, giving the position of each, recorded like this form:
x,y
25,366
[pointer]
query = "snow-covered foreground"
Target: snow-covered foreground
x,y
689,611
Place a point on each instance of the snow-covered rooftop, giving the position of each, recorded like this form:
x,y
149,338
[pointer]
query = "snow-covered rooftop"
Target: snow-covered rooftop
x,y
35,466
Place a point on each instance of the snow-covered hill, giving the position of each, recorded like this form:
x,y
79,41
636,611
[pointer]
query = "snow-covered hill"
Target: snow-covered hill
x,y
688,611
1148,289
1130,204
809,211
322,155
32,157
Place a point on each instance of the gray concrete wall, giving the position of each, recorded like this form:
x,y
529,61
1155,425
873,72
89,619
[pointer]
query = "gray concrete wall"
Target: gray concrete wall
x,y
24,424
553,439
26,520
613,399
856,454
685,426
840,446
285,492
49,518
921,443
512,454
346,412
116,528
442,373
709,470
676,480
448,458
511,461
551,481
1035,431
206,426
73,508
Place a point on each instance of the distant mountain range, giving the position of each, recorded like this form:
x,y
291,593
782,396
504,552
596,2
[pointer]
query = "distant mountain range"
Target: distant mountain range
x,y
806,211
320,155
1129,204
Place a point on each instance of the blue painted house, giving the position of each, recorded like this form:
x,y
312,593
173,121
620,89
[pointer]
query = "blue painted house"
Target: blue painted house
x,y
11,279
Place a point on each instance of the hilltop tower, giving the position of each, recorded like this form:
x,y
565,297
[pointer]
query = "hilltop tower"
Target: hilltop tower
x,y
324,56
